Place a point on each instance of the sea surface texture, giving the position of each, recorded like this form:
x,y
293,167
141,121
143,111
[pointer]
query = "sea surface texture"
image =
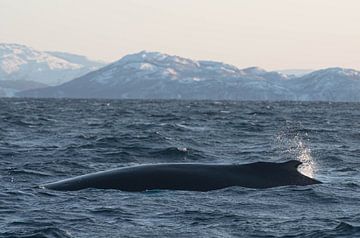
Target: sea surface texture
x,y
48,140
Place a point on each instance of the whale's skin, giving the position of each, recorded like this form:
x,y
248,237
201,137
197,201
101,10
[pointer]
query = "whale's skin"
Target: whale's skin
x,y
189,177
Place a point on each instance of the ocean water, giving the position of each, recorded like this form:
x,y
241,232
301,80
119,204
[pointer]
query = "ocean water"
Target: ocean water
x,y
48,140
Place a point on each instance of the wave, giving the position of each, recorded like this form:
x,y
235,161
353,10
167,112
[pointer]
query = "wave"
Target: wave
x,y
177,153
44,232
171,152
108,140
192,128
343,229
14,171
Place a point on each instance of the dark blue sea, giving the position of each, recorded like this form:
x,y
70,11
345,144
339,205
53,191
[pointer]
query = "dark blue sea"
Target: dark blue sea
x,y
45,140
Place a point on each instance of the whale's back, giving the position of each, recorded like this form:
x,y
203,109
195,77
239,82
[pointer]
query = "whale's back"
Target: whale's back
x,y
192,177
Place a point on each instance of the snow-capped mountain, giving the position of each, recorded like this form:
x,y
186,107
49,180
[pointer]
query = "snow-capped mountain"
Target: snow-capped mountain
x,y
162,76
331,84
153,75
19,62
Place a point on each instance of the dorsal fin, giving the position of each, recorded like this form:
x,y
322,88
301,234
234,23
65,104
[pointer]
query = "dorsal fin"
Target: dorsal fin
x,y
292,164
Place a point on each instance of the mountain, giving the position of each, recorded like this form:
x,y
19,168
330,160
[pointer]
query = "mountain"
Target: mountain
x,y
21,63
8,88
78,59
332,84
153,75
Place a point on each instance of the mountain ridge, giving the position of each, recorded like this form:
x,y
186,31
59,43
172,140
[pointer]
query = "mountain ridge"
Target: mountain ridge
x,y
154,75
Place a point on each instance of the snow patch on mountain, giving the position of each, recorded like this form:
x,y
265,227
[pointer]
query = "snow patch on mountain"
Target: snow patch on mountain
x,y
169,72
255,71
10,64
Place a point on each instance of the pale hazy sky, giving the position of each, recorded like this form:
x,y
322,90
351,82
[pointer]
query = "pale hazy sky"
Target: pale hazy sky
x,y
273,34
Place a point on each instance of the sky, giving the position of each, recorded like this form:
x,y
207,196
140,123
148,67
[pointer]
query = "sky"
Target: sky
x,y
272,34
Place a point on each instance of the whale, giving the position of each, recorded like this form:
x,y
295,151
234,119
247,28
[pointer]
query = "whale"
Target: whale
x,y
189,177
